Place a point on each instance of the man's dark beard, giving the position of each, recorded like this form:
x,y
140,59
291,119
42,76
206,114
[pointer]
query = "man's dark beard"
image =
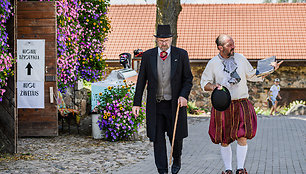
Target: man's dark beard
x,y
230,53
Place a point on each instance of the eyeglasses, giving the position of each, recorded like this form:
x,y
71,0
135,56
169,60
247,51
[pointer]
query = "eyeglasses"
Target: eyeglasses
x,y
163,41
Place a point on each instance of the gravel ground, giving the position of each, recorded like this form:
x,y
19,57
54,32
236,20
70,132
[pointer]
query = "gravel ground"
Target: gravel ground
x,y
73,153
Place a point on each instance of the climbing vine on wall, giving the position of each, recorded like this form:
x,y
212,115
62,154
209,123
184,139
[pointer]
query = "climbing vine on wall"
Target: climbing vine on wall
x,y
6,58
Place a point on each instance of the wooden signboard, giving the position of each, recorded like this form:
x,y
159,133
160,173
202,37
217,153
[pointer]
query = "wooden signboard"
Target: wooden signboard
x,y
37,21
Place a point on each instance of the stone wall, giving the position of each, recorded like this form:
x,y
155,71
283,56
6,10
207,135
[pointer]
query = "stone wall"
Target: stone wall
x,y
78,99
291,76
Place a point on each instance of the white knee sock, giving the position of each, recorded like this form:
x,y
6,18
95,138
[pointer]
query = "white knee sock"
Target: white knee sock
x,y
241,154
226,153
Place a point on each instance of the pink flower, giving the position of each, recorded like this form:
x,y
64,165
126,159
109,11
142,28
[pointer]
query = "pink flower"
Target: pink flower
x,y
2,91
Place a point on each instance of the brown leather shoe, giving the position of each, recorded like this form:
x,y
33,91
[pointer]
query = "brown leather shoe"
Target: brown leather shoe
x,y
227,172
241,171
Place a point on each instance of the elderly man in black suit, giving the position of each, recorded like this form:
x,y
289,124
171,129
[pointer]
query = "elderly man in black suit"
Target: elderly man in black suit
x,y
166,71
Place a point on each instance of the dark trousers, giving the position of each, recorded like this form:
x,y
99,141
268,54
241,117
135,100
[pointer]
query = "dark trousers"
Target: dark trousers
x,y
163,124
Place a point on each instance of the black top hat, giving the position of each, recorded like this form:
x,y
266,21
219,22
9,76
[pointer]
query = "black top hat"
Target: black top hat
x,y
163,31
221,98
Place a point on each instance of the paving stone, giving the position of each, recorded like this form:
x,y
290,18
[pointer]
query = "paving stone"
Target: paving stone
x,y
279,147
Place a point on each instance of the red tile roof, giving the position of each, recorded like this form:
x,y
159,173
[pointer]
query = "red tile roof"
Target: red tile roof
x,y
259,30
133,27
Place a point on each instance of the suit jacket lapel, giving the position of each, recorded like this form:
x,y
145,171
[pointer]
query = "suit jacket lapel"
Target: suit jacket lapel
x,y
153,61
174,60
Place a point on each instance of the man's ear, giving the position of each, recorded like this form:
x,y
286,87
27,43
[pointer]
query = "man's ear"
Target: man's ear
x,y
220,48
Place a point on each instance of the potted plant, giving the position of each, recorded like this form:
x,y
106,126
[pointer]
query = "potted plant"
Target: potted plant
x,y
116,119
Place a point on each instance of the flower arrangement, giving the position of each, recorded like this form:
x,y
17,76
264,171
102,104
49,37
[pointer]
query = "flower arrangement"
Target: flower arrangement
x,y
115,108
6,58
82,29
95,25
68,33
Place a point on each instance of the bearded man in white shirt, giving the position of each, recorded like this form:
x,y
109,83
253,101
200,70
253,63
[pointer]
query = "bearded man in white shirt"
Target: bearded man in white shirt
x,y
239,120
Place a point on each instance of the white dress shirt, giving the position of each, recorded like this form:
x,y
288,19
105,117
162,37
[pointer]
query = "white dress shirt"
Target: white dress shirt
x,y
214,74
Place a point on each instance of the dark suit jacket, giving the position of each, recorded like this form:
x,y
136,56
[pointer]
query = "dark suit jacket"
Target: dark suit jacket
x,y
181,83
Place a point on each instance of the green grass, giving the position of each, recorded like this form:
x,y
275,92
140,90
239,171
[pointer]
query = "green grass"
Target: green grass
x,y
282,110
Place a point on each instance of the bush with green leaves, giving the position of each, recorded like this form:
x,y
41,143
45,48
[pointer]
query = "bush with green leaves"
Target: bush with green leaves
x,y
283,110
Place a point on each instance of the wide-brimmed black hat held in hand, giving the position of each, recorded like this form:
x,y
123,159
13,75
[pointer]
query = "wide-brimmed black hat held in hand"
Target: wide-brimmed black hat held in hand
x,y
221,98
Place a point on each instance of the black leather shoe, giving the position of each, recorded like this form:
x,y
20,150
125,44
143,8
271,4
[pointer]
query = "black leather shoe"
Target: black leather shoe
x,y
163,172
227,172
176,166
241,171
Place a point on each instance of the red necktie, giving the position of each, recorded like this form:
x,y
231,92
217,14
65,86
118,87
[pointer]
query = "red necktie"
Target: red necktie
x,y
163,55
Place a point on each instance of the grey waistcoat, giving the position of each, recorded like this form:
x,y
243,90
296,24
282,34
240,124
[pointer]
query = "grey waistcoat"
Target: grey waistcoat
x,y
163,75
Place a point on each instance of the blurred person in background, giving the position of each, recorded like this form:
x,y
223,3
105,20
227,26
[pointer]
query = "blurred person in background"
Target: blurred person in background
x,y
273,94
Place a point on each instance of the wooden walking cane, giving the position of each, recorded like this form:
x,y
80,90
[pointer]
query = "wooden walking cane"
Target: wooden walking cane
x,y
174,130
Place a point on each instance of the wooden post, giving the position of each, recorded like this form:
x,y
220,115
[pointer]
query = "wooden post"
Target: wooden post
x,y
37,20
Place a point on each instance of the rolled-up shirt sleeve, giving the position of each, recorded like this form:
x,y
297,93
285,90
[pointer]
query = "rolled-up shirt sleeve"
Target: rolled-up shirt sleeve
x,y
207,75
251,72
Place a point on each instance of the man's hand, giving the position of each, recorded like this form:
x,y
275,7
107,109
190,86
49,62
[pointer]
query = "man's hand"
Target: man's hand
x,y
276,65
135,110
182,101
211,87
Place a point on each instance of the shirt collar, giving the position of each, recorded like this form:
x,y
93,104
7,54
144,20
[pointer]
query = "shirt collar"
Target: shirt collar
x,y
222,58
168,51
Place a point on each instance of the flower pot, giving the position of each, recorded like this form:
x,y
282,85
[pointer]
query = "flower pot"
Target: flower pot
x,y
96,132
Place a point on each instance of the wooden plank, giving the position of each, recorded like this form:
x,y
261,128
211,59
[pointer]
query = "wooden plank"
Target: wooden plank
x,y
8,106
35,30
6,143
7,123
32,6
35,15
37,22
8,102
39,132
48,37
38,129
